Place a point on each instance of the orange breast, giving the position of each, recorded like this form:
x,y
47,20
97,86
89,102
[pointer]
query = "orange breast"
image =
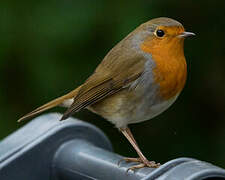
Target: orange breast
x,y
171,70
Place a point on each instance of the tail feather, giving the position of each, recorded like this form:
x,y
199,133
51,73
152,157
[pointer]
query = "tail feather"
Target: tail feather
x,y
50,104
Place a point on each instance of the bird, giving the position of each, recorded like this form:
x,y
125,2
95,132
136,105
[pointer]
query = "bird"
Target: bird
x,y
138,79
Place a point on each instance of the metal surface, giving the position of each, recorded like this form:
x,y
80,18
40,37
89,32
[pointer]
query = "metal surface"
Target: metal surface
x,y
48,149
88,161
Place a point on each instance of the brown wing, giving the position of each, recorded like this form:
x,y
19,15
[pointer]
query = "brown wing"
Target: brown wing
x,y
115,72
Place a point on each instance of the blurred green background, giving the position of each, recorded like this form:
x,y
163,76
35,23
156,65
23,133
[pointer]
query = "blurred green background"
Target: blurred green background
x,y
48,48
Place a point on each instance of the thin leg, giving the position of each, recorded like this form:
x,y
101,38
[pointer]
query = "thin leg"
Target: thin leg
x,y
142,159
127,133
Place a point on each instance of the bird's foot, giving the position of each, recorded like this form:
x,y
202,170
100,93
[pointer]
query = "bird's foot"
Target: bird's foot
x,y
142,163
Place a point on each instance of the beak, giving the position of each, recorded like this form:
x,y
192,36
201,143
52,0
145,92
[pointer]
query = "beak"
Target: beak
x,y
186,34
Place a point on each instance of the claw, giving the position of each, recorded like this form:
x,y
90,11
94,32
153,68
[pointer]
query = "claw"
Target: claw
x,y
118,164
150,164
142,163
132,159
127,159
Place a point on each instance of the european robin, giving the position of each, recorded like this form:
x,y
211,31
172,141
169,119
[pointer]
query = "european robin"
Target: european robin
x,y
137,80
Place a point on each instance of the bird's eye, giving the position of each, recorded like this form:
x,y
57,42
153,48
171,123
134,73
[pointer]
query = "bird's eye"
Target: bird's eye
x,y
160,33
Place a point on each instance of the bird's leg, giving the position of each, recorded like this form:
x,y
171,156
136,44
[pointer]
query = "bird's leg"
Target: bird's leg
x,y
142,159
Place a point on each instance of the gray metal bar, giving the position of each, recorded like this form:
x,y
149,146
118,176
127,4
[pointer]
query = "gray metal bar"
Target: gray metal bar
x,y
79,158
27,154
48,149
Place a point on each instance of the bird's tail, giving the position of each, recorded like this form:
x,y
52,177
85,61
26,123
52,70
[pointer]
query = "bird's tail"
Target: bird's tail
x,y
50,104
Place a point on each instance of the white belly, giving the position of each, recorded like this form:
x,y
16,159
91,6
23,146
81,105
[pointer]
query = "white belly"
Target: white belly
x,y
148,112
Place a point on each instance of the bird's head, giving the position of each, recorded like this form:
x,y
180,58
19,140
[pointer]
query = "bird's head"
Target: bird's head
x,y
162,34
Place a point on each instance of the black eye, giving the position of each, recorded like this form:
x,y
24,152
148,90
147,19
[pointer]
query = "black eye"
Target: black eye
x,y
160,33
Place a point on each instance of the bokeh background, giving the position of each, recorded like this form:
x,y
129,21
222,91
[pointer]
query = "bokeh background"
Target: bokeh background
x,y
48,48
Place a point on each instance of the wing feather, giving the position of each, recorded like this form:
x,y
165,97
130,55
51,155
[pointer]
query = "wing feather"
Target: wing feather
x,y
108,79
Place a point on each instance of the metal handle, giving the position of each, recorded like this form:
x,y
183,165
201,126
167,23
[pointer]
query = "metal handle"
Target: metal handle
x,y
48,149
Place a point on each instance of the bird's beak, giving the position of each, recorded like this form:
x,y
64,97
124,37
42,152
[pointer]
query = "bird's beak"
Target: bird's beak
x,y
186,34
